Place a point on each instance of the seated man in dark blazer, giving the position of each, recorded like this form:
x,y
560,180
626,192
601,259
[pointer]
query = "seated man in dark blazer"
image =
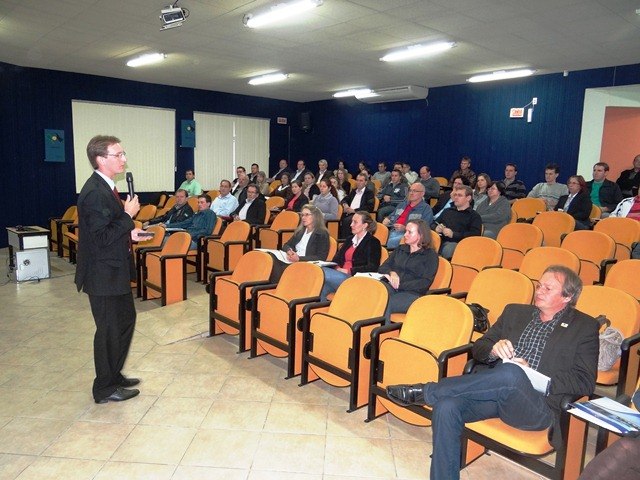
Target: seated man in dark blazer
x,y
551,337
252,210
360,198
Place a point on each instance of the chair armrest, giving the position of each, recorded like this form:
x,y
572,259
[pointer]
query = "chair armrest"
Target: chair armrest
x,y
366,322
314,306
259,288
459,295
439,291
491,266
149,249
603,268
299,301
173,256
445,355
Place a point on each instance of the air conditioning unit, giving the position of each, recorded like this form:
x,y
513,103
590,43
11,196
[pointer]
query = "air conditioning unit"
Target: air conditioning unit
x,y
395,94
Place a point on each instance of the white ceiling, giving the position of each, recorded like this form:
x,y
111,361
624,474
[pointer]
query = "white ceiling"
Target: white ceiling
x,y
337,46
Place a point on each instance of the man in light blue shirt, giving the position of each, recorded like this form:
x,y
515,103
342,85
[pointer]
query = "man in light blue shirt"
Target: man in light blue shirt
x,y
225,203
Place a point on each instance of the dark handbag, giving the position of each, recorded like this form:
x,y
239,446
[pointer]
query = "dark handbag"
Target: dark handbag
x,y
480,317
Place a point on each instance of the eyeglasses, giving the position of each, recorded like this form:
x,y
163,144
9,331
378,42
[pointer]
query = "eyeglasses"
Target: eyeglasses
x,y
118,155
412,190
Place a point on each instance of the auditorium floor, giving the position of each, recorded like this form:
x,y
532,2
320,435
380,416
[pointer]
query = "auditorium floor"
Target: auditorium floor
x,y
204,412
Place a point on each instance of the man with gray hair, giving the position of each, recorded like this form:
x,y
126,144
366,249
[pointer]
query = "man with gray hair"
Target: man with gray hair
x,y
550,337
323,171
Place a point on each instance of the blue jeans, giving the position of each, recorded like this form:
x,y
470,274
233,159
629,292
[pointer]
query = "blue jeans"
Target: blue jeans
x,y
399,302
394,238
332,280
447,249
501,392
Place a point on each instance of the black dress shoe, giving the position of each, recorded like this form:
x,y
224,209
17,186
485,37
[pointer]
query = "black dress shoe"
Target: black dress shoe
x,y
120,395
129,382
405,395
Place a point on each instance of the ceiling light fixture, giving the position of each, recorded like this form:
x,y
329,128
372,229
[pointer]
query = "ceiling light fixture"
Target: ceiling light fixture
x,y
279,12
270,78
353,92
147,59
415,51
501,75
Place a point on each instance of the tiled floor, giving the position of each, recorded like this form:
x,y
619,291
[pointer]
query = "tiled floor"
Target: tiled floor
x,y
204,411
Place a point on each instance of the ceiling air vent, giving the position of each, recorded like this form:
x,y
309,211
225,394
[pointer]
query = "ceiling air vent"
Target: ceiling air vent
x,y
395,94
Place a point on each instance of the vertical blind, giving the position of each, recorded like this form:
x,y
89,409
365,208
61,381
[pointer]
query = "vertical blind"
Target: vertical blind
x,y
224,142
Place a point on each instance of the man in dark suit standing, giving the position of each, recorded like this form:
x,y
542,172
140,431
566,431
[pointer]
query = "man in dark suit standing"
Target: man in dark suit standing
x,y
105,267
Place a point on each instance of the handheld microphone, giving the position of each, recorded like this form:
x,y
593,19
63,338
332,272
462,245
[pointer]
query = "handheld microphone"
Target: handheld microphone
x,y
129,177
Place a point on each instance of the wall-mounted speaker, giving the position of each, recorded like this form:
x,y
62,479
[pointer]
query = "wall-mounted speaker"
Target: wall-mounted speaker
x,y
305,122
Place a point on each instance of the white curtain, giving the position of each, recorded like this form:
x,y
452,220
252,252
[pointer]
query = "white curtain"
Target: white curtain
x,y
224,142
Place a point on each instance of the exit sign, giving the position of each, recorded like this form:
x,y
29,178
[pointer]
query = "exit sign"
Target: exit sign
x,y
516,113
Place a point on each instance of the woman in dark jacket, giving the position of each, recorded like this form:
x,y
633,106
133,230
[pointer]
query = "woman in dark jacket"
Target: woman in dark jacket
x,y
310,241
578,201
283,190
359,253
297,199
410,269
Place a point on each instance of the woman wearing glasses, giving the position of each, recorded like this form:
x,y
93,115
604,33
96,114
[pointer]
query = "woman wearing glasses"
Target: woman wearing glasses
x,y
310,241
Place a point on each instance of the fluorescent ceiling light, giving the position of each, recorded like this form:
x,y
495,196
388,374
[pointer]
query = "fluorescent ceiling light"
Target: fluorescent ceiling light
x,y
415,51
279,12
147,59
501,75
270,78
353,92
368,94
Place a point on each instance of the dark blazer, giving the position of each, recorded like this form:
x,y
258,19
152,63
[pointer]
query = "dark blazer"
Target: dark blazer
x,y
174,215
313,191
300,202
366,257
286,170
105,265
327,174
317,248
301,176
416,270
367,203
256,212
570,356
579,208
610,194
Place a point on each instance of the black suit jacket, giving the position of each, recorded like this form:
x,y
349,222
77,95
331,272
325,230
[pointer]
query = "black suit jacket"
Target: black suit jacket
x,y
366,203
569,358
579,208
301,176
317,248
105,265
366,257
256,212
300,202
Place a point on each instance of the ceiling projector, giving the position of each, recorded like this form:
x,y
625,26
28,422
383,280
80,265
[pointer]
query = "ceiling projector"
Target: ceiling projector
x,y
173,16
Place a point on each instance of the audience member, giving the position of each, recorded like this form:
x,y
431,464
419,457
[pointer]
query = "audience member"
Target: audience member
x,y
549,190
382,175
261,183
411,209
343,179
253,209
629,180
253,175
341,166
300,172
180,211
323,171
239,187
431,185
339,190
225,203
309,187
577,202
190,185
446,198
240,171
457,222
284,189
551,337
363,167
480,192
297,199
309,242
360,252
410,175
201,223
604,193
392,195
410,269
465,171
495,211
514,188
629,208
327,200
360,198
283,167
